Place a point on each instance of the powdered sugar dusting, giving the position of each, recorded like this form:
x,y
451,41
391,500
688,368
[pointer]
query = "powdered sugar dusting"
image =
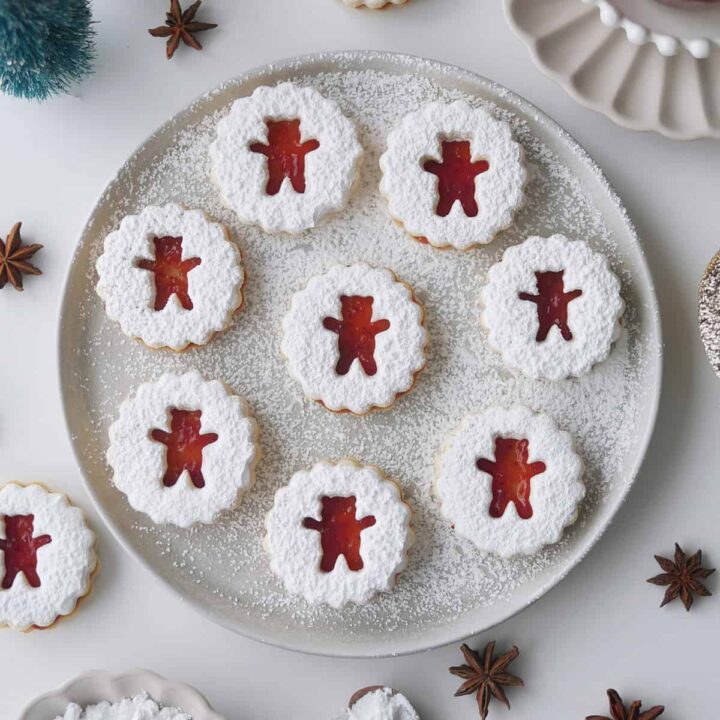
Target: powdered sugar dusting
x,y
445,579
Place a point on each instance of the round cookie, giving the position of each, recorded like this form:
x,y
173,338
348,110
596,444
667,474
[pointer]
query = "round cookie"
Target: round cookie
x,y
183,449
509,481
170,277
709,312
285,157
354,338
452,175
338,533
47,557
552,307
379,703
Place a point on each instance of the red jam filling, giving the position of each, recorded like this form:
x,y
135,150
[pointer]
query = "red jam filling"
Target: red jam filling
x,y
456,177
339,532
20,548
552,304
184,446
511,475
285,155
356,333
170,270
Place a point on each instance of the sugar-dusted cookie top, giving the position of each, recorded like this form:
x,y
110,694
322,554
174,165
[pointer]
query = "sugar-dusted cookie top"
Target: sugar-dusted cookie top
x,y
47,556
354,338
285,157
183,449
552,307
170,277
509,480
453,175
338,533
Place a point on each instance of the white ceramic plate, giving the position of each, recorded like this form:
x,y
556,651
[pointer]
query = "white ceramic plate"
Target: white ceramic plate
x,y
448,591
632,60
97,686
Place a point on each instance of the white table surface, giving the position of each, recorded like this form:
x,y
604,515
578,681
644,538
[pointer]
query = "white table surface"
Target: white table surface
x,y
599,628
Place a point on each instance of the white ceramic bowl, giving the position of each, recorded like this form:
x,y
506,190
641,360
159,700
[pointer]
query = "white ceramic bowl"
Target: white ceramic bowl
x,y
97,685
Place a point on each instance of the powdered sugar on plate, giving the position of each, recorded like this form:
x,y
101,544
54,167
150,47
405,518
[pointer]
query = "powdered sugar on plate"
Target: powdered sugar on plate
x,y
446,580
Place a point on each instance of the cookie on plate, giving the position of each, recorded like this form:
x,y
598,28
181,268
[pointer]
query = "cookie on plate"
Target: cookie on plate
x,y
552,307
452,174
171,277
285,157
354,338
47,557
338,533
183,449
509,480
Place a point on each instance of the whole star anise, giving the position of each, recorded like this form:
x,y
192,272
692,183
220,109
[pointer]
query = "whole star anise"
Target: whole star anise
x,y
618,711
486,676
682,577
14,259
181,25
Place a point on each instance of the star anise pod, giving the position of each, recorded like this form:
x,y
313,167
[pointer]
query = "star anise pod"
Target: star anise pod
x,y
682,577
14,259
181,25
486,675
618,711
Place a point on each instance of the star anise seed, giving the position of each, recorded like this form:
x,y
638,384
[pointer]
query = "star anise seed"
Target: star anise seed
x,y
682,577
14,259
486,676
618,711
181,25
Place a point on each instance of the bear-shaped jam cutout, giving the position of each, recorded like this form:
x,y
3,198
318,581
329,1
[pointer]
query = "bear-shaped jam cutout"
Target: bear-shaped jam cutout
x,y
170,271
340,532
456,177
356,333
285,153
20,549
511,475
184,445
552,304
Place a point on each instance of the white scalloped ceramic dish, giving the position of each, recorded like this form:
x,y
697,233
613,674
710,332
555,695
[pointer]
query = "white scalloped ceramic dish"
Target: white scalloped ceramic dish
x,y
97,686
221,569
645,65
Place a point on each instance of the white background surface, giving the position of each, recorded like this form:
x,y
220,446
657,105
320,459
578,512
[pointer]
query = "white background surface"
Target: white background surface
x,y
599,628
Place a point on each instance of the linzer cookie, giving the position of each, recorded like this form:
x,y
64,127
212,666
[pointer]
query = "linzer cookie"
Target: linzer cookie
x,y
354,338
552,307
285,157
183,449
452,174
338,533
47,557
509,481
170,277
